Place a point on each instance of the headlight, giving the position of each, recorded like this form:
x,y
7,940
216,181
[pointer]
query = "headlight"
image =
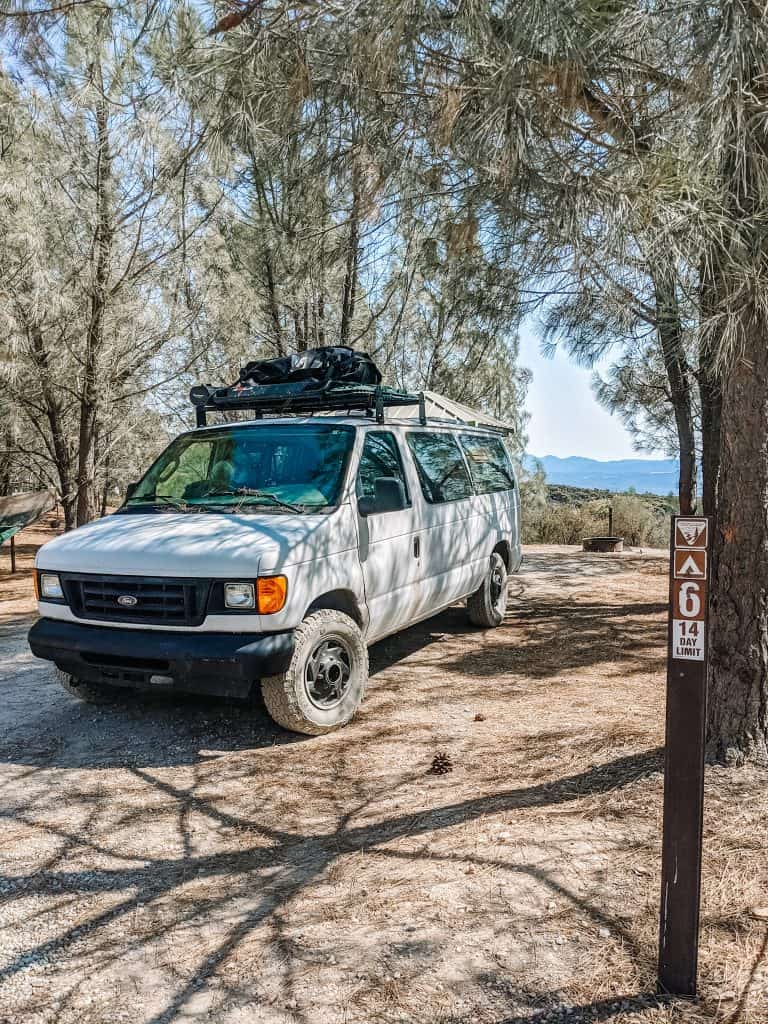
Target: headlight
x,y
239,595
50,587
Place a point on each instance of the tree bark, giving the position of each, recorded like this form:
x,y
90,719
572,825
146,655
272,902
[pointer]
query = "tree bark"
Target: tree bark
x,y
738,704
102,245
670,332
54,415
272,304
106,483
710,393
710,399
350,275
300,342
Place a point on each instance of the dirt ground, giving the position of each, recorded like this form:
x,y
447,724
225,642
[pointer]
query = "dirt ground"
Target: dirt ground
x,y
188,861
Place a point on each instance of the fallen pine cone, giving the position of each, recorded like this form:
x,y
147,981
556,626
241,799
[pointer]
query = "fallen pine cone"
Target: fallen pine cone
x,y
441,764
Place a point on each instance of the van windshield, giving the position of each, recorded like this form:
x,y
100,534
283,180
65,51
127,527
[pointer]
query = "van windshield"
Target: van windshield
x,y
275,468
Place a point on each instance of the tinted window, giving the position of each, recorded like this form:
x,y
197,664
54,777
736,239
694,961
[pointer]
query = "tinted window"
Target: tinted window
x,y
489,463
440,464
380,457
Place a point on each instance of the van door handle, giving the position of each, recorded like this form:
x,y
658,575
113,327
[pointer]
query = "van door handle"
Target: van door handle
x,y
416,547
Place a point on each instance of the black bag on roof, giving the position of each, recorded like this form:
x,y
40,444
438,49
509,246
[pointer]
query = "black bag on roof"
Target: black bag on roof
x,y
319,365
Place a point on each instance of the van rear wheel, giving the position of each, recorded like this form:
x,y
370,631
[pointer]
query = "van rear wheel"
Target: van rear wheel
x,y
486,607
325,682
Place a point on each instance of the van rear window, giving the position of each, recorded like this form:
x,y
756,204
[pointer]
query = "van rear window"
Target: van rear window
x,y
442,471
489,463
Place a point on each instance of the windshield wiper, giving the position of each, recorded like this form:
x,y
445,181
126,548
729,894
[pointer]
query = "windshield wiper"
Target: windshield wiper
x,y
159,501
251,492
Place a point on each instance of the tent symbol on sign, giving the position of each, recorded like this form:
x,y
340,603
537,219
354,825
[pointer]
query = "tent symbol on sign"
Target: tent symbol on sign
x,y
690,564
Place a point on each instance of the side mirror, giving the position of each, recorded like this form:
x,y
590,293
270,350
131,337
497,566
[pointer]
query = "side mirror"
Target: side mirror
x,y
130,489
388,496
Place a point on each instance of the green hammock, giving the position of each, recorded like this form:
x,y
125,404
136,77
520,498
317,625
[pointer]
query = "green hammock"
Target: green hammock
x,y
19,510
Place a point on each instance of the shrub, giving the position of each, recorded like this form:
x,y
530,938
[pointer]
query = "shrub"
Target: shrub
x,y
557,523
562,524
638,524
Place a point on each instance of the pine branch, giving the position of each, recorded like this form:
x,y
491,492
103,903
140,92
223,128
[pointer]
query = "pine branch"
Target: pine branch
x,y
54,9
235,18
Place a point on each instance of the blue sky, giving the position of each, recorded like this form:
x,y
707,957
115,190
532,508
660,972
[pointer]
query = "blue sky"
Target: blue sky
x,y
565,418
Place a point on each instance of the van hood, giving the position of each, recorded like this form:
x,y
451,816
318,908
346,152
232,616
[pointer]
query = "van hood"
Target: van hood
x,y
194,544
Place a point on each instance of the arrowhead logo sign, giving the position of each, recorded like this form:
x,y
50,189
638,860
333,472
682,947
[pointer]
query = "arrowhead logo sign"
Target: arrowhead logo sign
x,y
690,565
691,533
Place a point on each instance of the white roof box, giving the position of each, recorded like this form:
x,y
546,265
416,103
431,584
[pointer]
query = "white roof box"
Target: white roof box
x,y
441,408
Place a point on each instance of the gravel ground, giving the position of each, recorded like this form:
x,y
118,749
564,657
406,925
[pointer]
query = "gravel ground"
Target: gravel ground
x,y
186,860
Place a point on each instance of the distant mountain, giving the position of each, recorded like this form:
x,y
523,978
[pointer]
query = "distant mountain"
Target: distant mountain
x,y
651,476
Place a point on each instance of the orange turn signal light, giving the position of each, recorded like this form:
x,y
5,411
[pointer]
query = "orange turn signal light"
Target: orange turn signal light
x,y
271,592
36,583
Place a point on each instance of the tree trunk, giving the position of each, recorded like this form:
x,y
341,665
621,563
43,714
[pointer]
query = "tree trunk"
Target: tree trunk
x,y
272,304
102,245
710,398
350,275
105,485
670,331
321,296
710,395
53,413
738,706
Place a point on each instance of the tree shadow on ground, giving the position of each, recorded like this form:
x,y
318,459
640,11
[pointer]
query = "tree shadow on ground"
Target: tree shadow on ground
x,y
152,730
277,868
550,638
599,1010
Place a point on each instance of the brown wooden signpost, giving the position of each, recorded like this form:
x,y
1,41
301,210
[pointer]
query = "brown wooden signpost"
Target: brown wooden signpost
x,y
684,753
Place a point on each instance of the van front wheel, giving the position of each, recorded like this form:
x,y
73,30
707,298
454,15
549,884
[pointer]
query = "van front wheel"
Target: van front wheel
x,y
90,693
486,607
325,682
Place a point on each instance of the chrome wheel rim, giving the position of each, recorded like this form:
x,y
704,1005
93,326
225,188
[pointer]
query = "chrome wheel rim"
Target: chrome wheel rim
x,y
328,672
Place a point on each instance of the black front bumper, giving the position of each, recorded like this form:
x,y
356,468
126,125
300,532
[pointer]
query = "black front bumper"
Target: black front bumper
x,y
217,663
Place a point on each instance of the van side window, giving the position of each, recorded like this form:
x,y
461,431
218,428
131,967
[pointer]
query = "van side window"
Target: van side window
x,y
380,457
489,463
440,464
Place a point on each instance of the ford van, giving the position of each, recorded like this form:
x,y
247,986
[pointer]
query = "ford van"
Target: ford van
x,y
274,552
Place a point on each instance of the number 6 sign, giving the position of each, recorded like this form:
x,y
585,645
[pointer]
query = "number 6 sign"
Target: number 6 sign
x,y
688,600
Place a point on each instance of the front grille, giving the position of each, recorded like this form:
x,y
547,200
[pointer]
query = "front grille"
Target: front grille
x,y
159,601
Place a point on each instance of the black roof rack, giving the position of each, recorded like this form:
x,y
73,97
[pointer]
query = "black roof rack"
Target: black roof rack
x,y
299,397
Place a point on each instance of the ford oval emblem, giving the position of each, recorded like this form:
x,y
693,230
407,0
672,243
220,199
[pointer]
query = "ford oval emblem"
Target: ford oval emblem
x,y
128,600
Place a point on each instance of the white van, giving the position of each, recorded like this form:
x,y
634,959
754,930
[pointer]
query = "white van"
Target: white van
x,y
276,551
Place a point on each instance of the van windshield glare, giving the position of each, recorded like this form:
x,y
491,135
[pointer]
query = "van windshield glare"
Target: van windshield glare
x,y
273,468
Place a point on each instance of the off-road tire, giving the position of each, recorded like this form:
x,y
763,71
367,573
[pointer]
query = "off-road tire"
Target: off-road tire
x,y
486,607
89,693
286,695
